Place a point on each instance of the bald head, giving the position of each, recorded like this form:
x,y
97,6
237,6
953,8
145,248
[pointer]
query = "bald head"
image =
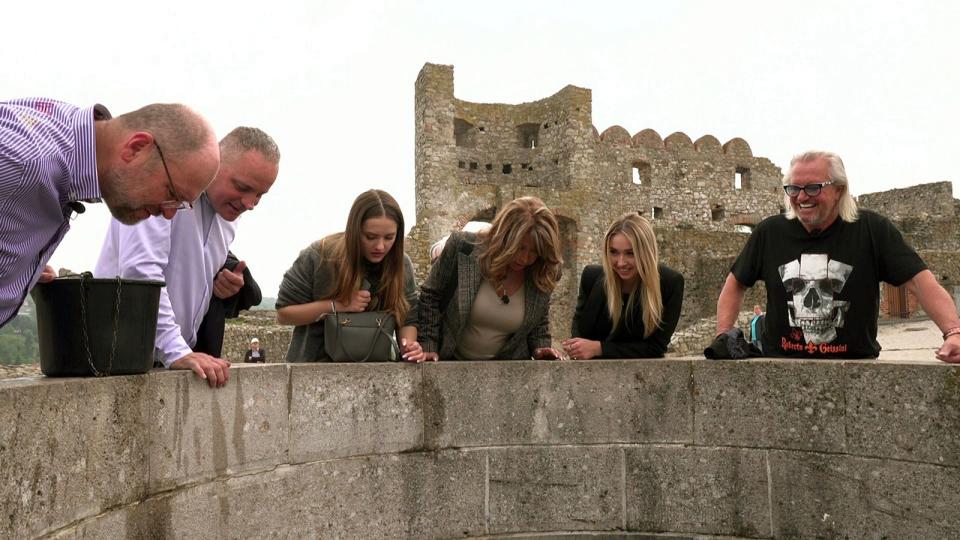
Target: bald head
x,y
153,157
180,128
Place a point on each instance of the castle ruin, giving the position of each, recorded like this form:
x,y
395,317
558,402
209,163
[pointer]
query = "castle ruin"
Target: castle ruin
x,y
471,158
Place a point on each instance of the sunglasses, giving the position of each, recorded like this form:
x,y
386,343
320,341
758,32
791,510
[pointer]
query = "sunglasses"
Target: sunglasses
x,y
812,190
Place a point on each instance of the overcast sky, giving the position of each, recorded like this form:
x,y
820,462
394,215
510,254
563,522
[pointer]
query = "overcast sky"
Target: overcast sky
x,y
332,82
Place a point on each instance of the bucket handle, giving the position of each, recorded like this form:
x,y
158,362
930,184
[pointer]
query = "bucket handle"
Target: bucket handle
x,y
83,315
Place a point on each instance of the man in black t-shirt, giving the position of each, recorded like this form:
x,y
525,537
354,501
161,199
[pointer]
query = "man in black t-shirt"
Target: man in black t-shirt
x,y
822,263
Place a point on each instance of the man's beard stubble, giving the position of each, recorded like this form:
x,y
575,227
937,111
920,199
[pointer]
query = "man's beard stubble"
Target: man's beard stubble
x,y
114,193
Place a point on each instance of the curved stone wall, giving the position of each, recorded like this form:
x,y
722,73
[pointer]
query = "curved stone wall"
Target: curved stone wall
x,y
761,448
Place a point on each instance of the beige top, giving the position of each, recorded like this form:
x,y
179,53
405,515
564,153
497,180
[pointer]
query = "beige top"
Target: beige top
x,y
491,322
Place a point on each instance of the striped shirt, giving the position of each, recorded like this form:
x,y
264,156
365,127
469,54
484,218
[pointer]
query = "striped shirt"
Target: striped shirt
x,y
47,161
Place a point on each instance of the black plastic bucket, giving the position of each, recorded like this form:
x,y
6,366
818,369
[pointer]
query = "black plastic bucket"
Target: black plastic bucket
x,y
94,327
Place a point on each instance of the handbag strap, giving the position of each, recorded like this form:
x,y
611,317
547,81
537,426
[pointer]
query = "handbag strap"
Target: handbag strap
x,y
373,342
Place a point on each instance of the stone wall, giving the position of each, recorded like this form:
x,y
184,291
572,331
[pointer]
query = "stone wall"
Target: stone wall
x,y
472,158
926,214
919,201
760,448
939,234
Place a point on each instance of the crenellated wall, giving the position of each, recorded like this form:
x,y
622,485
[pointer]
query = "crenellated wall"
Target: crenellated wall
x,y
750,449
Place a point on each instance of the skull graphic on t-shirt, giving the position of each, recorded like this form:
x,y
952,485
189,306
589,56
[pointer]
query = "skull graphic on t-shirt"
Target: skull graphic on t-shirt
x,y
813,281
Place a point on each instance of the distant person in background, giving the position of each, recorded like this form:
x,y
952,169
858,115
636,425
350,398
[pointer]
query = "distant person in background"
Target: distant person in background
x,y
488,294
756,325
255,355
361,269
189,251
54,157
629,306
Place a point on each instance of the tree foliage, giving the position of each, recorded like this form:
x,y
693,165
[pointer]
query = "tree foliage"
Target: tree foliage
x,y
18,341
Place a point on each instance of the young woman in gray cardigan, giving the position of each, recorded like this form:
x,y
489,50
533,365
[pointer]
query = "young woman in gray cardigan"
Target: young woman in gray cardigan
x,y
363,268
488,294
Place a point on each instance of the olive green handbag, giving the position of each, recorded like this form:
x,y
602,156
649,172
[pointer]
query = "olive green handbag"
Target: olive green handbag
x,y
366,336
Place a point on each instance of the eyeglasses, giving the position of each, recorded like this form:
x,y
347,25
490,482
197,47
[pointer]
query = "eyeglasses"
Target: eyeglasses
x,y
812,190
177,203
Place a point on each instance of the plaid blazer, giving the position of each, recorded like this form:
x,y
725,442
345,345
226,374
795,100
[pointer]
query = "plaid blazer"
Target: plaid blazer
x,y
447,296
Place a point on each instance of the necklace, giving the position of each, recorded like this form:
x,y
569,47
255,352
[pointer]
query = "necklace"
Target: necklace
x,y
501,286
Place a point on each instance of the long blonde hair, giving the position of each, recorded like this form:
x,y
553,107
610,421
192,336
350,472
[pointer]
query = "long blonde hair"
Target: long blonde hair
x,y
346,248
639,233
501,242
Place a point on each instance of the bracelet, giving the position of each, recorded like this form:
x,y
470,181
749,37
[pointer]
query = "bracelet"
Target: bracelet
x,y
333,309
951,332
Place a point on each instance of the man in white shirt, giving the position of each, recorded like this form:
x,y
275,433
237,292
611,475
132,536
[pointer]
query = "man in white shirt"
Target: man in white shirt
x,y
189,250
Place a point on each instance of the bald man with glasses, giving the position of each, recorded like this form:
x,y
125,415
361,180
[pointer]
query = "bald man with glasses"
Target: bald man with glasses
x,y
822,263
54,157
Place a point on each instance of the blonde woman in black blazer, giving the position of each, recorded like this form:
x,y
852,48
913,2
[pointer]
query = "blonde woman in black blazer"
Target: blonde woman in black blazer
x,y
629,306
506,272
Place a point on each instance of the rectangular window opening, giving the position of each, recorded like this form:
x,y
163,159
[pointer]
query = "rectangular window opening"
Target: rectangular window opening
x,y
717,213
641,173
741,179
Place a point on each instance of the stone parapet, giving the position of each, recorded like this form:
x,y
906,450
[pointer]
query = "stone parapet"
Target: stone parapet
x,y
759,448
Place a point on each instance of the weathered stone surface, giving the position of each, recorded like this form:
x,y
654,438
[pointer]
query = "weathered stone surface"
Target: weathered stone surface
x,y
697,490
193,512
69,448
555,489
535,402
769,404
353,409
625,535
75,453
908,412
832,496
200,433
922,200
411,495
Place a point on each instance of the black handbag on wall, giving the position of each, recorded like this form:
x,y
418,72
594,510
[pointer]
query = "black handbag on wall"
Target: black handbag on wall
x,y
360,337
